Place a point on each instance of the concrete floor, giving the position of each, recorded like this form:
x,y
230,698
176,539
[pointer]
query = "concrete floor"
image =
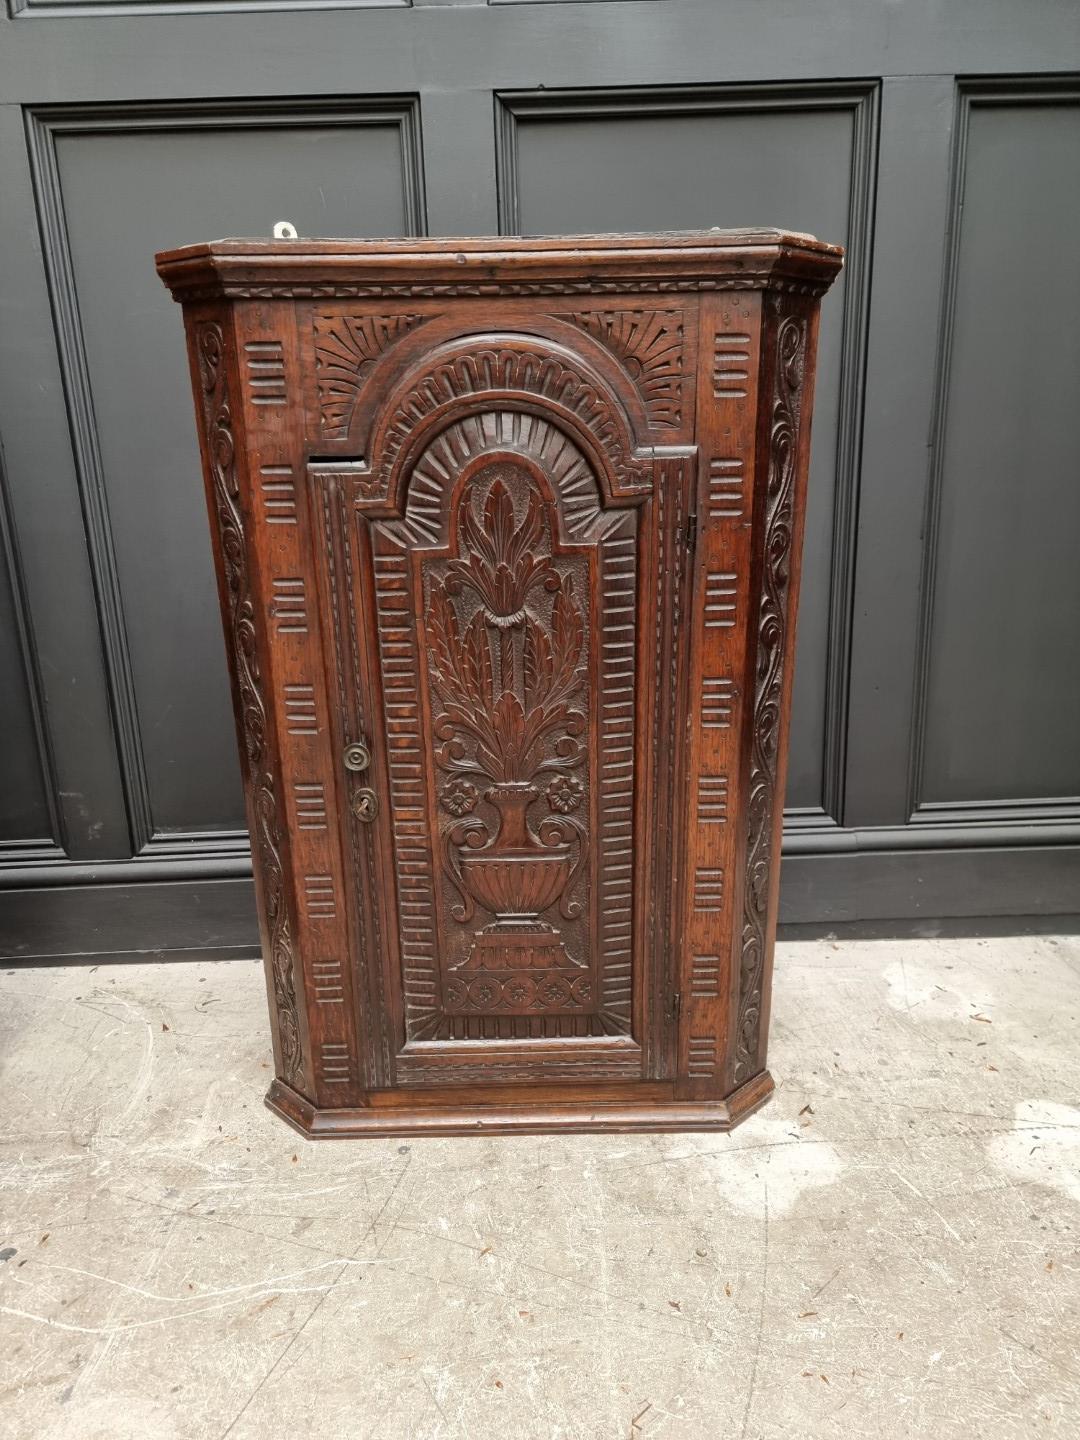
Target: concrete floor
x,y
888,1249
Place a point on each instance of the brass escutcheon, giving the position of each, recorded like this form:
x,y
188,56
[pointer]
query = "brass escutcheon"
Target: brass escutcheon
x,y
365,805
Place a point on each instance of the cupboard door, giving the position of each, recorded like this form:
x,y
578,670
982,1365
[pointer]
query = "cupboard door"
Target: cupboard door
x,y
517,571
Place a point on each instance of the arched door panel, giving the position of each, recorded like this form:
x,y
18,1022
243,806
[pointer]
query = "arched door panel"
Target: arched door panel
x,y
501,569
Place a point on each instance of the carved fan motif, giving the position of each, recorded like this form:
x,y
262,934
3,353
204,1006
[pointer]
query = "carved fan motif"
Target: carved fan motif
x,y
649,343
529,368
346,350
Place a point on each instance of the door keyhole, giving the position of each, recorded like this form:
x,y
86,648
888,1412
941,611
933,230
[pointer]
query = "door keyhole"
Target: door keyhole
x,y
365,805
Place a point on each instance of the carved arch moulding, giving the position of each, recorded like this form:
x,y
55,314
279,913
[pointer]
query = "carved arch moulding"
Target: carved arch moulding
x,y
509,372
634,351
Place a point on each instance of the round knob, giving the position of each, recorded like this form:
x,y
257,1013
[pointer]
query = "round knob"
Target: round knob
x,y
357,756
365,805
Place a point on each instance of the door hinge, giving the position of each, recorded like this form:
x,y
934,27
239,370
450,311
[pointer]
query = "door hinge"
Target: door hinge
x,y
691,532
675,1008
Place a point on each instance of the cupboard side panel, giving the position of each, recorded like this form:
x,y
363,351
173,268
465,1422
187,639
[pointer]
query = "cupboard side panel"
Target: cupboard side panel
x,y
216,382
304,705
789,336
727,400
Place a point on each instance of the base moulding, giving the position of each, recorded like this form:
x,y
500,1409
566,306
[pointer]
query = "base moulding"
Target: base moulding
x,y
480,1118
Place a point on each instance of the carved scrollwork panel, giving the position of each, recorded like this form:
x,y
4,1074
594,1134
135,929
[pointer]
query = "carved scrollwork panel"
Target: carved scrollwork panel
x,y
507,656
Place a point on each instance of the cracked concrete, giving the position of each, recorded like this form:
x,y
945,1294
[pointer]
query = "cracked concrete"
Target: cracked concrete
x,y
889,1249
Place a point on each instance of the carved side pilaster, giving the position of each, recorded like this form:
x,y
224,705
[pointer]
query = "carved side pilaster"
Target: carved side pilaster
x,y
770,680
239,615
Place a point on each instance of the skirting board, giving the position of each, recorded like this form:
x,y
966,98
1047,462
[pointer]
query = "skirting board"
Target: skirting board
x,y
919,885
175,920
194,919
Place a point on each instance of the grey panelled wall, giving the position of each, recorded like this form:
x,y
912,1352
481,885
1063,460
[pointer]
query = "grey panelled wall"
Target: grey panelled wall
x,y
1000,713
935,765
163,648
28,821
678,161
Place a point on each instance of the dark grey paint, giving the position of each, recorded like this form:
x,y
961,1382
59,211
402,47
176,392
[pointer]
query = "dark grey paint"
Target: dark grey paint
x,y
728,167
25,815
189,919
1002,703
26,821
187,187
910,225
934,754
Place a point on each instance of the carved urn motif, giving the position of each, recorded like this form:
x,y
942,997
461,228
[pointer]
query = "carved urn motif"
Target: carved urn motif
x,y
515,875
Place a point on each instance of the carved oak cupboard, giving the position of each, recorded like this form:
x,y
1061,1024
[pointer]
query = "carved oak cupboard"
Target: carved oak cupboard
x,y
507,538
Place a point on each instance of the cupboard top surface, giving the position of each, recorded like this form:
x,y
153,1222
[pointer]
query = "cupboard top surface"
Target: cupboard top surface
x,y
691,260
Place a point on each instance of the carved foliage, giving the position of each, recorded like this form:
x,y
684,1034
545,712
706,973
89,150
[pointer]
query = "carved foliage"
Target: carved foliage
x,y
241,627
649,344
347,348
506,646
457,540
768,684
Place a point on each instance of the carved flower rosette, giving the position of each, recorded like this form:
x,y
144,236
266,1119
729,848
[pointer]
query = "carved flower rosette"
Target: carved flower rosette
x,y
506,661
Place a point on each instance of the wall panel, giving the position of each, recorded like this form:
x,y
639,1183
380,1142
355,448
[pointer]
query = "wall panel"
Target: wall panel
x,y
115,187
29,827
999,709
800,157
